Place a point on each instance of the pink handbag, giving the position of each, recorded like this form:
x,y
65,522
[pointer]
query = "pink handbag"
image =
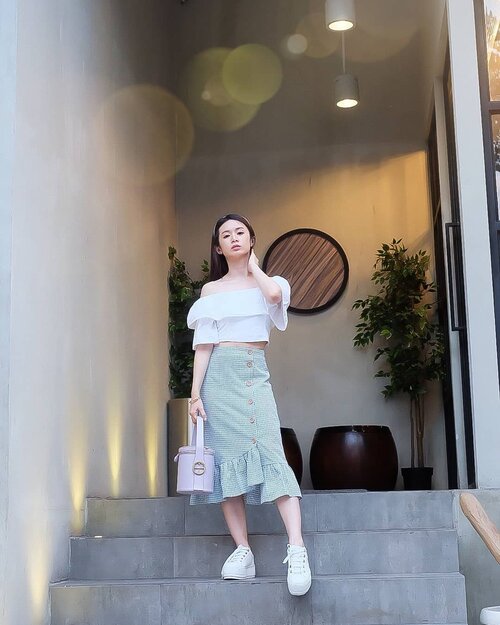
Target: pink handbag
x,y
195,465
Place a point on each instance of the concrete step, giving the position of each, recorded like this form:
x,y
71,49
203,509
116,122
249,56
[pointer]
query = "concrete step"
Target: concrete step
x,y
321,511
332,600
330,553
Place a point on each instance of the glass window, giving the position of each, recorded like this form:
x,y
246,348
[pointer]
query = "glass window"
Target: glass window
x,y
492,24
495,133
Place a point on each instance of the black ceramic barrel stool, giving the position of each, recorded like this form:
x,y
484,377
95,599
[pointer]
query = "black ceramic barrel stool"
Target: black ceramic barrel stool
x,y
293,453
353,457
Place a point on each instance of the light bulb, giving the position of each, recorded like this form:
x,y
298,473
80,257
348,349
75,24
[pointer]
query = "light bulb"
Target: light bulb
x,y
340,14
346,91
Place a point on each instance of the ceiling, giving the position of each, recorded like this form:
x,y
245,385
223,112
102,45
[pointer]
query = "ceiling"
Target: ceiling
x,y
395,51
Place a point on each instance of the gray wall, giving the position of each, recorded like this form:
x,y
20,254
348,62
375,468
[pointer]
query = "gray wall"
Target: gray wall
x,y
88,300
7,124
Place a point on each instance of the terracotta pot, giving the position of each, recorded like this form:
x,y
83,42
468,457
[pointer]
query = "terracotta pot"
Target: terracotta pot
x,y
293,452
353,456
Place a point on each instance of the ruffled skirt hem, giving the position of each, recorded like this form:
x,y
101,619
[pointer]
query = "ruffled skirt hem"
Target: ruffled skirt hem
x,y
246,475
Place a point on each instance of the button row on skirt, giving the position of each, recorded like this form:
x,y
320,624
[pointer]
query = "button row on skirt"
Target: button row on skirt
x,y
250,401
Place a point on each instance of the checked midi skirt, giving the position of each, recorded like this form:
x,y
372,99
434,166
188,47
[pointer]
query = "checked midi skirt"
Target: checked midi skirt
x,y
243,428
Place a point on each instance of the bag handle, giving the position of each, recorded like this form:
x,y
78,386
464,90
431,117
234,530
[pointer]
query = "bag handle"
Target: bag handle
x,y
199,452
199,466
198,432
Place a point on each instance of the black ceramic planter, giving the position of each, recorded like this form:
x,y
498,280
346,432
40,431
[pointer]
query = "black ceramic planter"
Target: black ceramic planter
x,y
293,453
353,457
417,478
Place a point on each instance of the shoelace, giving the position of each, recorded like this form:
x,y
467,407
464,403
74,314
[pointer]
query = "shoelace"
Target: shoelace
x,y
239,554
296,561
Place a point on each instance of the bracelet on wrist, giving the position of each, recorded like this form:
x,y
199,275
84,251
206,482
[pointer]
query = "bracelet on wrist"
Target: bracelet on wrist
x,y
193,400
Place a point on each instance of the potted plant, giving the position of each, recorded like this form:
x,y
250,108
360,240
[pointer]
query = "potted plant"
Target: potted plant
x,y
400,314
183,291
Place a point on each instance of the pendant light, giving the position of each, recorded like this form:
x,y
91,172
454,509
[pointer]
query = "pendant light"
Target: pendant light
x,y
346,86
340,14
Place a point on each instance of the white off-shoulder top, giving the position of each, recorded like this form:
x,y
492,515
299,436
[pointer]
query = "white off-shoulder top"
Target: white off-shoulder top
x,y
242,315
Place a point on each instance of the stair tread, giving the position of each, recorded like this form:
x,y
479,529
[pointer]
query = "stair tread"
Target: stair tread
x,y
322,511
306,493
411,530
256,580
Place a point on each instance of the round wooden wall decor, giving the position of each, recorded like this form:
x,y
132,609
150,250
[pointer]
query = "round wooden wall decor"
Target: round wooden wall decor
x,y
314,264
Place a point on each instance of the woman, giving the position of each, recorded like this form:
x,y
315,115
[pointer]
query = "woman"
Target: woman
x,y
232,392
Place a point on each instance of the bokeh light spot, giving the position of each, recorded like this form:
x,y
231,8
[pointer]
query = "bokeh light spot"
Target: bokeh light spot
x,y
321,42
216,93
252,74
296,44
211,105
143,135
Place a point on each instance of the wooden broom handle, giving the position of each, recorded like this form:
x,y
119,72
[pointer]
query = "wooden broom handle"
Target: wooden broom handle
x,y
480,521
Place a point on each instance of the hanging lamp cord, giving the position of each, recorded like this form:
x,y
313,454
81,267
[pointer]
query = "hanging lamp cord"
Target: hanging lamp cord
x,y
343,52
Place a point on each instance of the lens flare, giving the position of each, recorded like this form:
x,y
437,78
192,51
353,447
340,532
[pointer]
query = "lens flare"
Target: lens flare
x,y
252,74
296,44
203,90
143,135
321,42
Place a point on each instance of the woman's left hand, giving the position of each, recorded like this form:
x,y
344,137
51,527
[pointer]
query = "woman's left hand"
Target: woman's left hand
x,y
252,261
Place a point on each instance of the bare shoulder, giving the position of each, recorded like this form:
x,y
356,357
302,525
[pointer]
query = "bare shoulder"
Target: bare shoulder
x,y
208,288
212,287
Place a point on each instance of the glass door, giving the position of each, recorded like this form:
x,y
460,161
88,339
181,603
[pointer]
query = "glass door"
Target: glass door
x,y
453,257
488,46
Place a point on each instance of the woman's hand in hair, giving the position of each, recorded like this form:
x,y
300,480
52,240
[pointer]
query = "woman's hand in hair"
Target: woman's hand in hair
x,y
252,261
195,408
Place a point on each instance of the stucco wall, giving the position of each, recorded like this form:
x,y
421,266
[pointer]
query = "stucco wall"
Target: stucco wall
x,y
7,123
88,332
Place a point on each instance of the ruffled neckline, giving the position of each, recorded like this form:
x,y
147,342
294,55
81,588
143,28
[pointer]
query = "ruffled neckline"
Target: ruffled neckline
x,y
244,302
240,303
228,292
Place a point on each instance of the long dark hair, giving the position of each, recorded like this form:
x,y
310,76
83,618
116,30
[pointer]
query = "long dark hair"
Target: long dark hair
x,y
218,262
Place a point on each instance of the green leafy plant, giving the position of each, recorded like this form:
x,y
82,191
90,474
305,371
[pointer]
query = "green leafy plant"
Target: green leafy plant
x,y
183,291
400,315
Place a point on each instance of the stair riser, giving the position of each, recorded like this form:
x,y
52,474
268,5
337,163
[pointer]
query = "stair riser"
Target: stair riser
x,y
174,516
342,601
342,553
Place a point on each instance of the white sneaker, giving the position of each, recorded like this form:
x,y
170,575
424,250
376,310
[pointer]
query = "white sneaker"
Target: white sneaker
x,y
239,565
299,574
